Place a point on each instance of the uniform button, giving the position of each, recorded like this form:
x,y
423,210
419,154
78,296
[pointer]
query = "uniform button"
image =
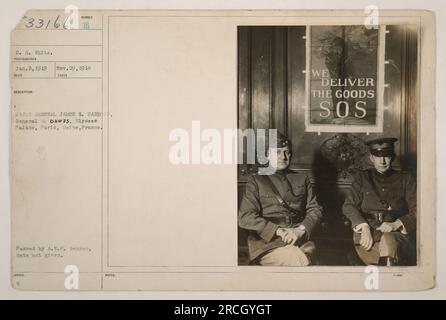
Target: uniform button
x,y
384,189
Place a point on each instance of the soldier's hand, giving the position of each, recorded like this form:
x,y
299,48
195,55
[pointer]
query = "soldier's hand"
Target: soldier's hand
x,y
299,233
290,235
281,233
389,226
287,235
366,238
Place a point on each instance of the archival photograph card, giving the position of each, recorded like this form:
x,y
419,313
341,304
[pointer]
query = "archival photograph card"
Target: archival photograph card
x,y
223,150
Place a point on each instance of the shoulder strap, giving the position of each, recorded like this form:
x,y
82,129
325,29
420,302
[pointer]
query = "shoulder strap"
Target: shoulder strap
x,y
277,195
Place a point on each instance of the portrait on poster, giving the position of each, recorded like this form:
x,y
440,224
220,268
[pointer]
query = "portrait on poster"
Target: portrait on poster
x,y
344,78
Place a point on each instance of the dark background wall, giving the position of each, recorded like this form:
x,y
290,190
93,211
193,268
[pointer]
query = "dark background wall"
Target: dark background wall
x,y
271,91
271,88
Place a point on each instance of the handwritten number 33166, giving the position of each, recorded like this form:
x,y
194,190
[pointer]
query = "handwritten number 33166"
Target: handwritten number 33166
x,y
45,23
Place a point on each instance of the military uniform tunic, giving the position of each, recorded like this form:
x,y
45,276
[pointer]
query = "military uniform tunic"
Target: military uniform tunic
x,y
262,214
375,198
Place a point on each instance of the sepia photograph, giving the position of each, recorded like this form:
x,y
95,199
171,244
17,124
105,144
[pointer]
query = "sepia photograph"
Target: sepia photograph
x,y
236,151
341,102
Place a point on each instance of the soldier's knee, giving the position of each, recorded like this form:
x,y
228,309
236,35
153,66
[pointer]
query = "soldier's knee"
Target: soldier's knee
x,y
388,245
388,239
289,256
294,257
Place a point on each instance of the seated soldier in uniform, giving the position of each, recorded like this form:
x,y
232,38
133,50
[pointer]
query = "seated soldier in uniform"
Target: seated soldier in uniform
x,y
381,207
280,211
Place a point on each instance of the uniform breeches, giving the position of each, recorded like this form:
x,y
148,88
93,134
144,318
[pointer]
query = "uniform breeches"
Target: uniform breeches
x,y
390,244
289,255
